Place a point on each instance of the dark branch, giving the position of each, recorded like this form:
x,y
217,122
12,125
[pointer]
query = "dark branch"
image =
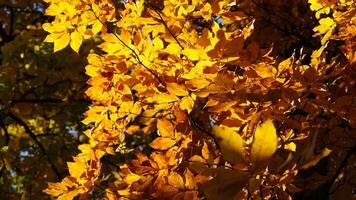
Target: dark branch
x,y
340,168
49,101
165,25
38,143
3,126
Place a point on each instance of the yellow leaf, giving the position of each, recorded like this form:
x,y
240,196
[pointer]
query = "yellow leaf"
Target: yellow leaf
x,y
61,42
165,128
189,181
162,143
187,103
53,10
326,24
265,71
264,143
205,151
172,48
131,178
316,159
198,83
230,143
284,65
158,43
176,180
76,40
290,146
194,54
54,28
166,98
76,169
176,89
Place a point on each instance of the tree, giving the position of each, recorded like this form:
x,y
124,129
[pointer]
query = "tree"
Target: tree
x,y
41,102
250,99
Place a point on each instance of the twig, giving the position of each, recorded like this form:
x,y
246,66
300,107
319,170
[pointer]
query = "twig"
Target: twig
x,y
340,168
132,50
165,25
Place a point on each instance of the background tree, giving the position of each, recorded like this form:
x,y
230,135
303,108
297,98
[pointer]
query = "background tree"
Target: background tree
x,y
41,102
249,99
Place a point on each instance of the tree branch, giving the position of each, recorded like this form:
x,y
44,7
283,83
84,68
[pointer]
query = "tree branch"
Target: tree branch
x,y
38,143
165,24
340,168
132,50
7,135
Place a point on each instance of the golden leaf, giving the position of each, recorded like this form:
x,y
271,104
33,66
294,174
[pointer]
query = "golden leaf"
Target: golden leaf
x,y
326,24
175,180
264,143
176,89
189,181
290,146
230,143
76,169
316,159
162,143
53,10
166,128
61,42
205,151
166,98
187,103
194,54
76,40
131,178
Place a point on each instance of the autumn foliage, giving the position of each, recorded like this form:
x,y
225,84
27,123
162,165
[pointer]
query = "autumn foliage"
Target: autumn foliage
x,y
219,99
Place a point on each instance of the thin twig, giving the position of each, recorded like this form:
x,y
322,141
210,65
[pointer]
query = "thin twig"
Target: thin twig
x,y
165,25
132,50
340,168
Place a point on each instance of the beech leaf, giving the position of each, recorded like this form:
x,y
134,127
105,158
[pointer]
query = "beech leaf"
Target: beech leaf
x,y
230,143
162,143
264,143
165,128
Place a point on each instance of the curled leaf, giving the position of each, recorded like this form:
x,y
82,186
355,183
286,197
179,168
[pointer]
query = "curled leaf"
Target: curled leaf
x,y
316,159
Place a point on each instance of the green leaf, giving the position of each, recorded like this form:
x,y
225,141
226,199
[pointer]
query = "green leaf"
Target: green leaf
x,y
4,149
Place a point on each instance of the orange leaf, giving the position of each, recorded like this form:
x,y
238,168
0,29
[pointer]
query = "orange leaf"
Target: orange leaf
x,y
177,90
176,180
205,151
189,181
162,143
165,128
